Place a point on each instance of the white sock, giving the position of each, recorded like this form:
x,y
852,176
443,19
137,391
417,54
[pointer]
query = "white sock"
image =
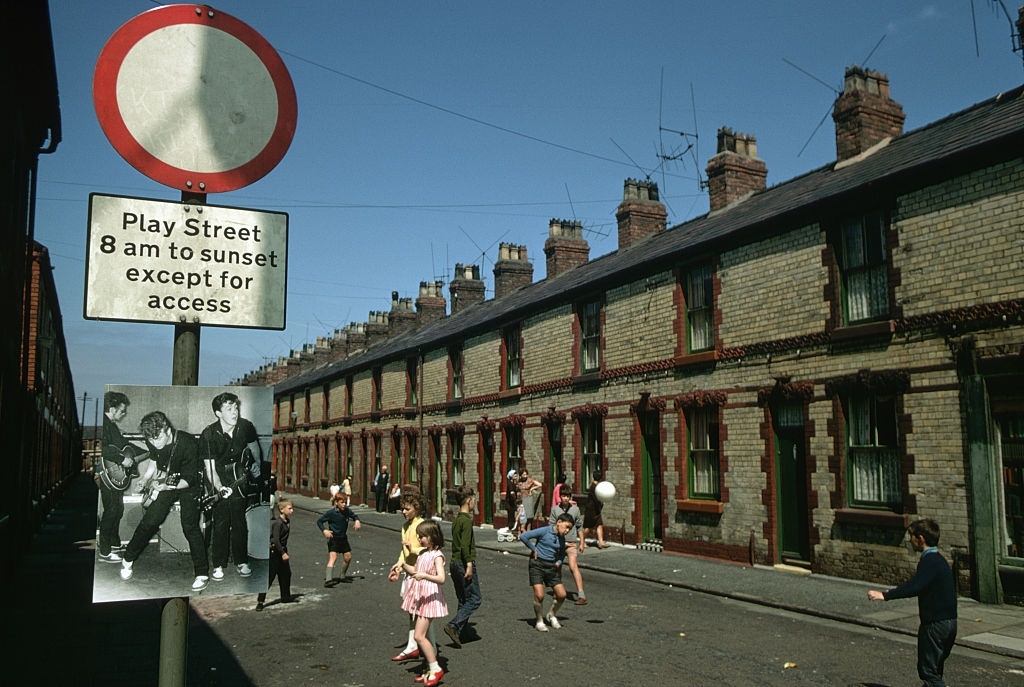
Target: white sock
x,y
555,606
411,644
538,610
434,667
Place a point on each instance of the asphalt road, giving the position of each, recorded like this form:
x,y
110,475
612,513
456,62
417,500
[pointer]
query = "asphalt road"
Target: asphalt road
x,y
631,632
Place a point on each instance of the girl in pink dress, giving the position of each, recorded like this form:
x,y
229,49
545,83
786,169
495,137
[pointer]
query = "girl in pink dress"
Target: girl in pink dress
x,y
424,597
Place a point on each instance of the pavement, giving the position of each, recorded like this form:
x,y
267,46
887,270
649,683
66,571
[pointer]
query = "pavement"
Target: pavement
x,y
997,629
56,633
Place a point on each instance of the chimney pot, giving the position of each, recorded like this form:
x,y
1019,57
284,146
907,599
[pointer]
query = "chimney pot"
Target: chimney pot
x,y
865,114
735,172
640,214
512,271
565,247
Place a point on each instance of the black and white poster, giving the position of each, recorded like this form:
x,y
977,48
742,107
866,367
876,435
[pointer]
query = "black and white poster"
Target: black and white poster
x,y
184,492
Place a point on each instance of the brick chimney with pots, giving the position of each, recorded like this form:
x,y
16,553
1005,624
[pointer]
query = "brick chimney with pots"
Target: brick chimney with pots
x,y
467,288
512,271
565,248
430,304
402,317
735,172
865,114
376,328
640,214
356,337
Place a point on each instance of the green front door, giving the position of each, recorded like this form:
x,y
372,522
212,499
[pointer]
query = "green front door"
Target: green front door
x,y
651,506
488,501
791,478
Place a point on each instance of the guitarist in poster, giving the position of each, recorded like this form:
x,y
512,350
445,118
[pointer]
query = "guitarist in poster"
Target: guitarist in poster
x,y
176,477
233,462
115,408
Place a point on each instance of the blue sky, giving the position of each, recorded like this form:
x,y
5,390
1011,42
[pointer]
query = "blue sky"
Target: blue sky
x,y
384,192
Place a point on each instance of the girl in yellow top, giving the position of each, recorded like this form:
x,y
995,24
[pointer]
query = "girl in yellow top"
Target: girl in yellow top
x,y
412,508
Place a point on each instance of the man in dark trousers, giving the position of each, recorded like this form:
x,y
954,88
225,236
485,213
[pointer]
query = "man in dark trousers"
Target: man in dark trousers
x,y
380,488
935,590
233,462
115,408
176,456
463,566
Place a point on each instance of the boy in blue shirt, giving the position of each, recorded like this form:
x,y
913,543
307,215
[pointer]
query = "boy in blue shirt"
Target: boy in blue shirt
x,y
935,590
547,545
334,525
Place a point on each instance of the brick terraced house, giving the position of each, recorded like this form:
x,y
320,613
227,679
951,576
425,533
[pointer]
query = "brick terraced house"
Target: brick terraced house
x,y
791,378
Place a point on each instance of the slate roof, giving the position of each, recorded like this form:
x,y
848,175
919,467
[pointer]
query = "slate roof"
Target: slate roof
x,y
994,125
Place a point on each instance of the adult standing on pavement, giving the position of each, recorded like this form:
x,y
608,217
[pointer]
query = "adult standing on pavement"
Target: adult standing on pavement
x,y
412,508
233,462
935,590
346,486
512,499
115,409
573,538
380,488
463,566
529,495
592,520
280,561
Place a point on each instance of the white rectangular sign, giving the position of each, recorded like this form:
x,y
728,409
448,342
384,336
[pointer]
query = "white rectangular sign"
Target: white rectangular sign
x,y
160,261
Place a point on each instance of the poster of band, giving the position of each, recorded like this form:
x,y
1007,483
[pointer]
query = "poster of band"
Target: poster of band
x,y
184,492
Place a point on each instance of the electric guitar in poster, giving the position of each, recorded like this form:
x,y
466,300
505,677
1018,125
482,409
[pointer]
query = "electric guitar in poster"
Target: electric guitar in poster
x,y
114,474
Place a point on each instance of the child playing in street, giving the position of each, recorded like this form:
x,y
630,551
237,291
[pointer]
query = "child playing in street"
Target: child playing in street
x,y
334,525
280,562
463,566
547,545
933,586
424,597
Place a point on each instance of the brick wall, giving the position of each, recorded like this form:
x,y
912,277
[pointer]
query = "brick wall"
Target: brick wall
x,y
639,320
547,346
482,365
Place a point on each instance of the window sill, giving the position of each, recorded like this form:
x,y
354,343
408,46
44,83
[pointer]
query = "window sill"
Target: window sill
x,y
409,411
587,379
375,415
865,516
454,405
702,358
868,330
700,506
514,392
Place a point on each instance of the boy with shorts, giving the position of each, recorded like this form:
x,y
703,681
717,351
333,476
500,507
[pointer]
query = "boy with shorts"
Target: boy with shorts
x,y
547,545
334,525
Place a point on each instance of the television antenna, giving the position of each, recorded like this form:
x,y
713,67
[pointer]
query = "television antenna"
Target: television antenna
x,y
1015,29
836,91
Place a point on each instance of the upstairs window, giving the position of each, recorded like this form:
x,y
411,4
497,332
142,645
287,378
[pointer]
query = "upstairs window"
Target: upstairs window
x,y
873,462
455,360
412,376
378,389
348,396
863,265
513,358
702,439
698,292
590,337
305,409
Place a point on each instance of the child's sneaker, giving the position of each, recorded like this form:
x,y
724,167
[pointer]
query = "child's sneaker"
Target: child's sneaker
x,y
541,627
553,621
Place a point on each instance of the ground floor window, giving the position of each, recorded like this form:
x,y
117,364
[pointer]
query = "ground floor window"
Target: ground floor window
x,y
702,439
872,451
1010,445
592,463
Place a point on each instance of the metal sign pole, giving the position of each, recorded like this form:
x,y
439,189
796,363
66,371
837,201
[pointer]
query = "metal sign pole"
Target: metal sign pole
x,y
174,617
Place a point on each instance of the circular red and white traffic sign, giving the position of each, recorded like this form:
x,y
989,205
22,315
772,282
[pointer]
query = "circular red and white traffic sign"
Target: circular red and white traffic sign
x,y
195,99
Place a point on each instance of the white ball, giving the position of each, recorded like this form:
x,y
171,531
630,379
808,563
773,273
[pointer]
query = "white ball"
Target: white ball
x,y
604,491
334,490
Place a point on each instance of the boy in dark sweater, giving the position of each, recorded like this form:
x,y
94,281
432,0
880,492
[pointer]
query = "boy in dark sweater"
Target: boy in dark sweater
x,y
933,586
334,525
463,566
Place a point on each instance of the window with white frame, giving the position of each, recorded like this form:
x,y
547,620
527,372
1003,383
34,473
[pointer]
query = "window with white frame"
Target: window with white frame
x,y
590,337
863,264
458,462
513,358
702,440
873,462
590,435
698,292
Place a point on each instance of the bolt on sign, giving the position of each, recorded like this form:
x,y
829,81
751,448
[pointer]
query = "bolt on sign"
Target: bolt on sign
x,y
158,261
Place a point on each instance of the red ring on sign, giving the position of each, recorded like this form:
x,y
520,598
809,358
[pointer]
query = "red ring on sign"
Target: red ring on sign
x,y
104,91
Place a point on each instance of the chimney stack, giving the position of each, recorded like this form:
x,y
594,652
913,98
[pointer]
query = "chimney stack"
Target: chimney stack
x,y
565,248
376,328
865,114
430,304
512,271
467,288
356,337
640,214
735,172
402,318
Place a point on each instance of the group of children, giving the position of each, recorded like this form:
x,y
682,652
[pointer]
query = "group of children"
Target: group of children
x,y
425,574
